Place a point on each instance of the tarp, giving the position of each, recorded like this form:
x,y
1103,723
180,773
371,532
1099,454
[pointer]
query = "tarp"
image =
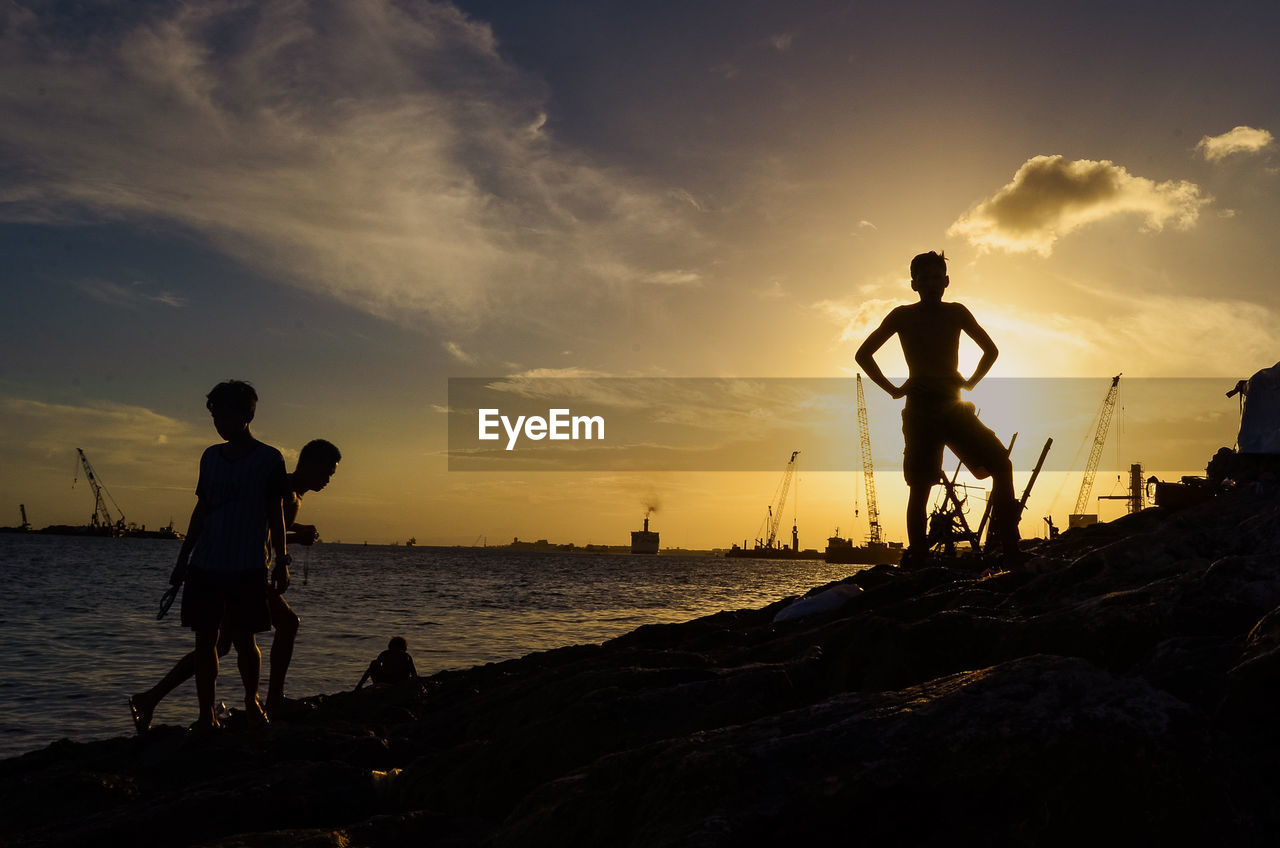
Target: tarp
x,y
1260,423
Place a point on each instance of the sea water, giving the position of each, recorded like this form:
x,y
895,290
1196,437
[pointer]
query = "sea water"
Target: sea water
x,y
78,628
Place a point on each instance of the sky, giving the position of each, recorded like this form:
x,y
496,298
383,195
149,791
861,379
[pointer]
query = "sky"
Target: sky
x,y
351,203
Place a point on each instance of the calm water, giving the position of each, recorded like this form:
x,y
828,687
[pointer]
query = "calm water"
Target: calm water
x,y
77,618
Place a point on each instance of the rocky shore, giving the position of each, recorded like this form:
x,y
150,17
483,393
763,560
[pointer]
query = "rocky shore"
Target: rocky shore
x,y
1123,690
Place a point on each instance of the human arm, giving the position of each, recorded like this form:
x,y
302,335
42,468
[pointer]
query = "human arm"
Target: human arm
x,y
413,671
302,534
866,355
275,526
194,528
368,671
989,350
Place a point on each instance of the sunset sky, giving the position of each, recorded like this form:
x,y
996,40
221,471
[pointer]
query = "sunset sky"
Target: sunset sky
x,y
349,203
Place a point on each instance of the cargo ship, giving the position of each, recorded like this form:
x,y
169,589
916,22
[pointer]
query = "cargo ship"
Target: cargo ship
x,y
644,541
841,550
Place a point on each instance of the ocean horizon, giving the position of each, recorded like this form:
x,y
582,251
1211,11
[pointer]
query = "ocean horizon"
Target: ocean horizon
x,y
79,618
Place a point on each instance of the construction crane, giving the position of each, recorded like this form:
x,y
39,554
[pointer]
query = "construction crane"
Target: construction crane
x,y
1079,518
868,472
101,515
1136,499
775,515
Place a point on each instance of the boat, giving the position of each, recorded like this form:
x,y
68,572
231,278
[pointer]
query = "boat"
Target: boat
x,y
167,532
770,546
842,550
760,551
875,550
644,541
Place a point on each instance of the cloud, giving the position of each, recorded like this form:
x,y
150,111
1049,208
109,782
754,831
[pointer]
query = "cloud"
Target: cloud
x,y
456,351
674,278
773,291
1050,197
134,294
1239,140
1100,330
856,319
383,153
1177,335
122,431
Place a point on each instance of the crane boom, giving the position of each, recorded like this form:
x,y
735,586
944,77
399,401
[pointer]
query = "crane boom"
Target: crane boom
x,y
775,514
101,515
868,472
1095,454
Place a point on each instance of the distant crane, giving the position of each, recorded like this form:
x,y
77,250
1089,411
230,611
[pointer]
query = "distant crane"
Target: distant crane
x,y
1079,518
101,515
780,501
868,472
1136,499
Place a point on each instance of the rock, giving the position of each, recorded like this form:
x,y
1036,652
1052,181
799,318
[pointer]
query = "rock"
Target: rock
x,y
1039,751
1121,690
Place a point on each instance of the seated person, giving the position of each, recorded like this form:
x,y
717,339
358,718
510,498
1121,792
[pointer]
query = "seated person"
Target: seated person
x,y
394,665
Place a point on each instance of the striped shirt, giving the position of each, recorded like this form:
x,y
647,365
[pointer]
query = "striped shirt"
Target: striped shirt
x,y
236,494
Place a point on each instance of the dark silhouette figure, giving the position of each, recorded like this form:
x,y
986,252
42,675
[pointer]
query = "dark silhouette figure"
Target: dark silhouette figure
x,y
934,416
394,665
317,462
223,560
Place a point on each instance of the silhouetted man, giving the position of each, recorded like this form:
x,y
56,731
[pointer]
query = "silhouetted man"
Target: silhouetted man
x,y
934,416
317,462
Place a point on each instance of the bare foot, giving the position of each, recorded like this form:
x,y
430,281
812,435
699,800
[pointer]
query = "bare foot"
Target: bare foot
x,y
253,710
141,710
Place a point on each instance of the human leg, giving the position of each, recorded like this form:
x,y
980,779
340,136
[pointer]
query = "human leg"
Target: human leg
x,y
917,506
205,658
985,455
248,614
249,662
285,622
1004,510
922,439
204,605
143,705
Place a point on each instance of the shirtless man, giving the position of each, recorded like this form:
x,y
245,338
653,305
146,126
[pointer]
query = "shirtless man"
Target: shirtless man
x,y
934,416
317,462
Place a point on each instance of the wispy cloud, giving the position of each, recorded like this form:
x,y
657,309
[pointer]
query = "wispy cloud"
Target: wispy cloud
x,y
856,319
1239,140
1109,331
1178,335
455,350
383,153
1050,197
674,278
32,430
134,294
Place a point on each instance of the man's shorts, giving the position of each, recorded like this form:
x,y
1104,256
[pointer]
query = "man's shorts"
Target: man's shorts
x,y
929,427
236,600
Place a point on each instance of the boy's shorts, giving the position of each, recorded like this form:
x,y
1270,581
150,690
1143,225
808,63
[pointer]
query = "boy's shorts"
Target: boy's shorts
x,y
236,600
929,427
